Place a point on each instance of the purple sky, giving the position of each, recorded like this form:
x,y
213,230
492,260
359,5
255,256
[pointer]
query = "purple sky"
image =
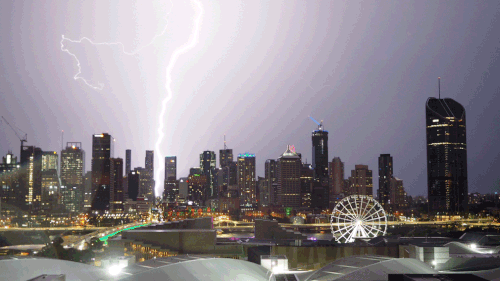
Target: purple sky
x,y
259,70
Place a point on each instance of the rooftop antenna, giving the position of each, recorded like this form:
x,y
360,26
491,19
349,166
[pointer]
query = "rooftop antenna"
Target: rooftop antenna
x,y
439,87
320,124
225,146
62,139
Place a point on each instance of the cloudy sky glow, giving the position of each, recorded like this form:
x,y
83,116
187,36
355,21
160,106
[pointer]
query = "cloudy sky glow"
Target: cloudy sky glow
x,y
259,70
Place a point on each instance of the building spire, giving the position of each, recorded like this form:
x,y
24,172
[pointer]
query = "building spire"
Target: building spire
x,y
439,87
225,146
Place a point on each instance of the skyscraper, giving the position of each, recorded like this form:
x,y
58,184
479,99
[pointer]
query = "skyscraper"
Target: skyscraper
x,y
227,171
447,183
361,181
116,182
31,178
246,178
320,196
289,170
101,172
270,173
207,165
49,160
51,187
149,162
385,174
148,181
134,183
225,157
9,186
87,191
72,170
336,174
128,161
398,199
306,185
51,191
171,187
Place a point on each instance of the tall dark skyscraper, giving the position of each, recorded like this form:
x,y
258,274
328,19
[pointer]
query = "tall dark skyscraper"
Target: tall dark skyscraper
x,y
116,182
336,174
270,174
320,196
446,156
385,174
225,157
227,171
128,161
306,184
101,154
171,187
31,178
134,179
207,165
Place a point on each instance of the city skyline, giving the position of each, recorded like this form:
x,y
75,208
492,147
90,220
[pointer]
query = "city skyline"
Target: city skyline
x,y
374,107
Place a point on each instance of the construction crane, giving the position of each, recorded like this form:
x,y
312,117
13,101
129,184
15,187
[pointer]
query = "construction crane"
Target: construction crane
x,y
320,124
23,139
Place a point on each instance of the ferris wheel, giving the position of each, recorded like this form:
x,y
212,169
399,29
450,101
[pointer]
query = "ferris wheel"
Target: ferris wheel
x,y
357,216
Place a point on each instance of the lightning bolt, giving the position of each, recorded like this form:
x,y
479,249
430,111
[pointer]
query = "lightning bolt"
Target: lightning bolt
x,y
100,86
192,42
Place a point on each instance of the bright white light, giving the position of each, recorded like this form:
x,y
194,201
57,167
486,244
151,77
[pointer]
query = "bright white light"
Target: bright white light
x,y
434,262
473,246
115,269
193,40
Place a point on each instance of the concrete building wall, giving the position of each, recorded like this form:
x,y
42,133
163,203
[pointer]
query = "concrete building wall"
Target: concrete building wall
x,y
317,257
270,230
184,241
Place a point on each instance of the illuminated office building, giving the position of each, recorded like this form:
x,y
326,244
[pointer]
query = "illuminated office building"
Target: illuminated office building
x,y
49,160
361,181
147,189
171,186
9,185
246,178
51,190
31,178
289,167
72,170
